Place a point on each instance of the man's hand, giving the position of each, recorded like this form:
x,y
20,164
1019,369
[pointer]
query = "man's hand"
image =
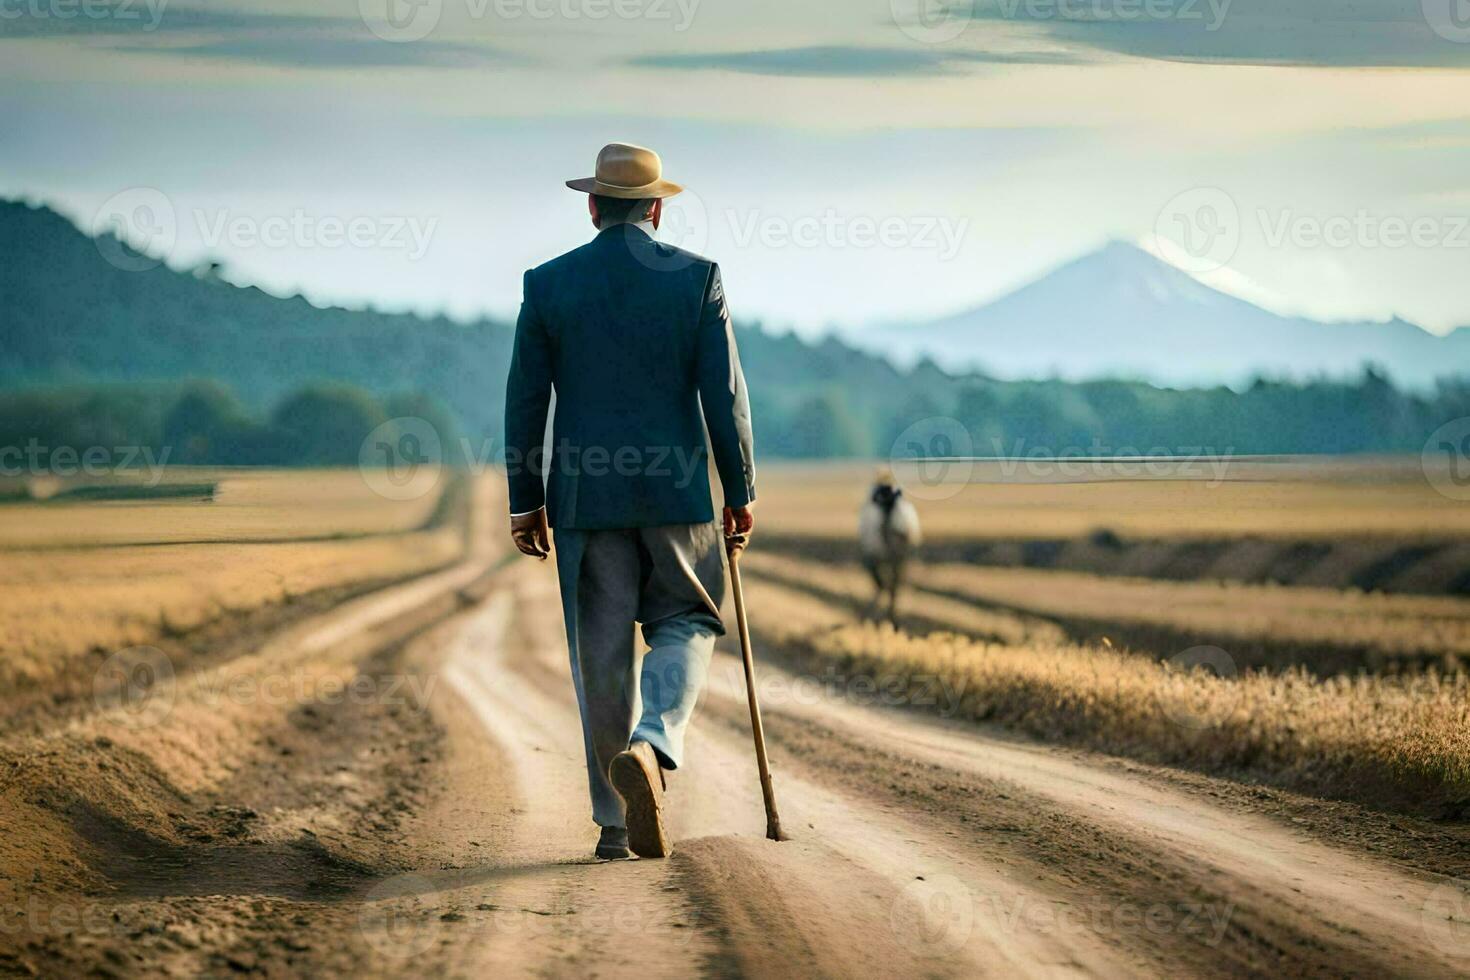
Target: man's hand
x,y
739,522
530,534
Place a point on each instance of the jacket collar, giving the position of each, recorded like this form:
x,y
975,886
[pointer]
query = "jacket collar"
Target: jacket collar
x,y
644,228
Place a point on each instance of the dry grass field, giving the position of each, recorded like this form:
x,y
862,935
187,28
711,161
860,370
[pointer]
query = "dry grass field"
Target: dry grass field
x,y
1025,646
1334,691
246,505
79,580
1408,627
992,500
1347,629
322,740
1397,742
848,586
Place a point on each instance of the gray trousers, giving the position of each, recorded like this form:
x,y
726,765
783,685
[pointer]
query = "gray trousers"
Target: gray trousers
x,y
669,579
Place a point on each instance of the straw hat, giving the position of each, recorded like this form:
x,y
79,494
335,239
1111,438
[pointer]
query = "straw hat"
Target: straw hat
x,y
629,172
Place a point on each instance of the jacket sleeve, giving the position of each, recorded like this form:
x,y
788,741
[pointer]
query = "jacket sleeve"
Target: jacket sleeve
x,y
723,396
527,402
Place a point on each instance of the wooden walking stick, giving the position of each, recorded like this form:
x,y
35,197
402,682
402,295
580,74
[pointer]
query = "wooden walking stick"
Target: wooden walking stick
x,y
734,545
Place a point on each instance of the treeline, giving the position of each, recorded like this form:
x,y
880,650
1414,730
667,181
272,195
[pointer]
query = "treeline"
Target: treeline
x,y
201,423
123,344
326,423
1000,418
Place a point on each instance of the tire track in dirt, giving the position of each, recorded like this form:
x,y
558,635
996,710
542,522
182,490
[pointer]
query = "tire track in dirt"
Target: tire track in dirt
x,y
924,847
1304,907
853,894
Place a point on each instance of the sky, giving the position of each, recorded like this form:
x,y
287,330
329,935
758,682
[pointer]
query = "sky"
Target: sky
x,y
848,162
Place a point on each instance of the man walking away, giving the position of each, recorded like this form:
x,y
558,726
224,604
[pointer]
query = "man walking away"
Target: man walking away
x,y
634,338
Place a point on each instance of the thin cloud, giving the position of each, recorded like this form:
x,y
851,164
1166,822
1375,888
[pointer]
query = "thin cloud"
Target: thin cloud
x,y
336,52
843,61
111,18
1298,33
156,27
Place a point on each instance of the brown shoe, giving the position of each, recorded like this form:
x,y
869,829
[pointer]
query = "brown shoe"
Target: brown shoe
x,y
637,776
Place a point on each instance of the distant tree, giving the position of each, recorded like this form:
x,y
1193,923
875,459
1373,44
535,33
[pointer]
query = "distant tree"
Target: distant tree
x,y
325,424
439,417
979,410
823,428
205,425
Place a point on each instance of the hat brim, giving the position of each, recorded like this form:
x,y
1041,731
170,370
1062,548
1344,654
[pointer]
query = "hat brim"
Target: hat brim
x,y
659,188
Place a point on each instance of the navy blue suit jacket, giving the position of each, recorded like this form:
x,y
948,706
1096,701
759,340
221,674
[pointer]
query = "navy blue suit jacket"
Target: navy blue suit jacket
x,y
634,337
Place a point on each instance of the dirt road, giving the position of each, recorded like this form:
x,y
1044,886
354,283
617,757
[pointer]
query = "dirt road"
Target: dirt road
x,y
920,849
456,841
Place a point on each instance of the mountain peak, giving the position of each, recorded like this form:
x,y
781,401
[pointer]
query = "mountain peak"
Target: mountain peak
x,y
1132,274
1122,250
1121,310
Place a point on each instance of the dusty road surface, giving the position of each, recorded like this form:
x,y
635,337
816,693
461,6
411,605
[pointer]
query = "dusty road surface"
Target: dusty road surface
x,y
447,834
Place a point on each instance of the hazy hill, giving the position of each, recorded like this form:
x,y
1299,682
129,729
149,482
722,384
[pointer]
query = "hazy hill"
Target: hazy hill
x,y
70,316
118,343
1122,312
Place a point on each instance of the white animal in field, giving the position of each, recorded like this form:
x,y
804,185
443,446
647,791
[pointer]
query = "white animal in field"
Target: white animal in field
x,y
888,534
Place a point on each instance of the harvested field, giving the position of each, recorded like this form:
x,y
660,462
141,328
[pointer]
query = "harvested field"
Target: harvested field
x,y
266,540
1400,743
